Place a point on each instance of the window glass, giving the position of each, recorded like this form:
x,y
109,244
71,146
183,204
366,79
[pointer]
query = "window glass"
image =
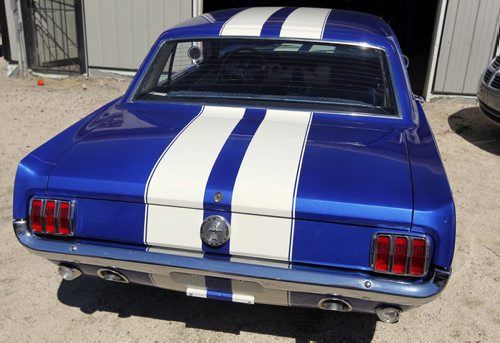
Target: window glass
x,y
265,72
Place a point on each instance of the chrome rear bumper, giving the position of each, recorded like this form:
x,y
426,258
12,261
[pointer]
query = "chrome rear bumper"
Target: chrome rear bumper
x,y
346,284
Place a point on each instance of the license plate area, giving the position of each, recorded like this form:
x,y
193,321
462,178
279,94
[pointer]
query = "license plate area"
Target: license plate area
x,y
218,295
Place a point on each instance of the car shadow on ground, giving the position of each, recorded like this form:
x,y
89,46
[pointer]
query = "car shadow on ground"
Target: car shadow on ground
x,y
471,125
92,294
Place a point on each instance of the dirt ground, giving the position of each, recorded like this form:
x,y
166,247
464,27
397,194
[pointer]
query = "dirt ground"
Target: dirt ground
x,y
35,305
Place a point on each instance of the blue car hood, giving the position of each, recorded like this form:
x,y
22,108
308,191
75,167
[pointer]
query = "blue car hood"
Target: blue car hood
x,y
356,173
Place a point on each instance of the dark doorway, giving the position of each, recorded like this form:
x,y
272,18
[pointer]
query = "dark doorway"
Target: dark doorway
x,y
412,21
54,35
4,34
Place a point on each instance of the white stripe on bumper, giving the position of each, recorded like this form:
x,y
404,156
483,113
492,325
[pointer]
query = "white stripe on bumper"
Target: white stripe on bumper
x,y
248,22
305,22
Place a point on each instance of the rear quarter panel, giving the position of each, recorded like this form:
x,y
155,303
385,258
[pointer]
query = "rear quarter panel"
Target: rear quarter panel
x,y
34,170
434,210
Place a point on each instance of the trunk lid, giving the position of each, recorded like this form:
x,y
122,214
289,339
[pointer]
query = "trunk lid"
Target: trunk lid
x,y
265,171
353,173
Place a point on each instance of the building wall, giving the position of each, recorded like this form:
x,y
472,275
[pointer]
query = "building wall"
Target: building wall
x,y
469,41
120,32
14,44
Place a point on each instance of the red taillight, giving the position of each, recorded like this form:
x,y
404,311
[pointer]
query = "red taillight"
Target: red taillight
x,y
391,253
418,256
52,217
400,255
49,216
36,216
64,220
382,253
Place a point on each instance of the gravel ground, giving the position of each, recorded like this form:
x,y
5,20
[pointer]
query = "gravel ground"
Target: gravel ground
x,y
35,305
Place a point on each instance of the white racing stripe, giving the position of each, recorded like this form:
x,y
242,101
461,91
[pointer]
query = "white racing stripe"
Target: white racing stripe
x,y
265,185
174,227
235,297
248,22
180,178
264,191
305,22
181,175
196,292
260,236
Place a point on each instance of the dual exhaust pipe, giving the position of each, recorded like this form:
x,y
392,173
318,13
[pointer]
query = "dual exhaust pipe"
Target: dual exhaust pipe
x,y
385,314
70,273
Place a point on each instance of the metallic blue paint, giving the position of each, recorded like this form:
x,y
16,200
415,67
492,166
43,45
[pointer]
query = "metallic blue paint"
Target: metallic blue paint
x,y
218,295
33,171
334,245
360,175
113,155
218,288
227,165
357,23
110,220
434,210
272,27
352,173
225,169
345,283
31,178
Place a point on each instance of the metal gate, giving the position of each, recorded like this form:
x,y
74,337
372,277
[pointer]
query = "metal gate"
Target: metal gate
x,y
53,33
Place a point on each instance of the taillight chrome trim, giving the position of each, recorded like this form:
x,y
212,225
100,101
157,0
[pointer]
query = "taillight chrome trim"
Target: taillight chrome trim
x,y
392,237
57,202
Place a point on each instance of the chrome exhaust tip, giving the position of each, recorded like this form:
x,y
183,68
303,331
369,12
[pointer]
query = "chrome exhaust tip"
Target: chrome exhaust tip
x,y
334,304
388,314
68,273
112,275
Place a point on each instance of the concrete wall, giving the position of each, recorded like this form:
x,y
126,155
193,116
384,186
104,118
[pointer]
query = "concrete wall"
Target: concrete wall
x,y
121,32
469,41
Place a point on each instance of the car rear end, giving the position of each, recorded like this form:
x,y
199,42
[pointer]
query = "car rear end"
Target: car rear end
x,y
318,194
395,284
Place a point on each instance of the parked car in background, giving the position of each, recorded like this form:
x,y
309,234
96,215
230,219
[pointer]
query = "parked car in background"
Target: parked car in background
x,y
489,91
263,155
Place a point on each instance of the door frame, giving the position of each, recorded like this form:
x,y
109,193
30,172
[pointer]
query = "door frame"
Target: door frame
x,y
5,33
436,43
30,40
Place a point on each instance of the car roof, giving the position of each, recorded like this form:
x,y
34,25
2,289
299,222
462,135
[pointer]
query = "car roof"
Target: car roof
x,y
299,23
289,22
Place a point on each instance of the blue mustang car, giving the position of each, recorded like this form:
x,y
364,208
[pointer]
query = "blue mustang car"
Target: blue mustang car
x,y
262,155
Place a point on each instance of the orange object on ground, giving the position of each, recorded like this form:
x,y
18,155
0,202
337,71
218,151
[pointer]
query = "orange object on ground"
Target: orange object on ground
x,y
40,83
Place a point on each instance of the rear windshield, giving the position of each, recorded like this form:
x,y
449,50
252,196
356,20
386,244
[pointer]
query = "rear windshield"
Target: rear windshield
x,y
262,72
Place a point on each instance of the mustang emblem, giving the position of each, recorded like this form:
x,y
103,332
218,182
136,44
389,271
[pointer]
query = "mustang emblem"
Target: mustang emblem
x,y
215,231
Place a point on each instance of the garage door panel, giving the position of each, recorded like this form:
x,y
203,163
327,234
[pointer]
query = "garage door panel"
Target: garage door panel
x,y
467,45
